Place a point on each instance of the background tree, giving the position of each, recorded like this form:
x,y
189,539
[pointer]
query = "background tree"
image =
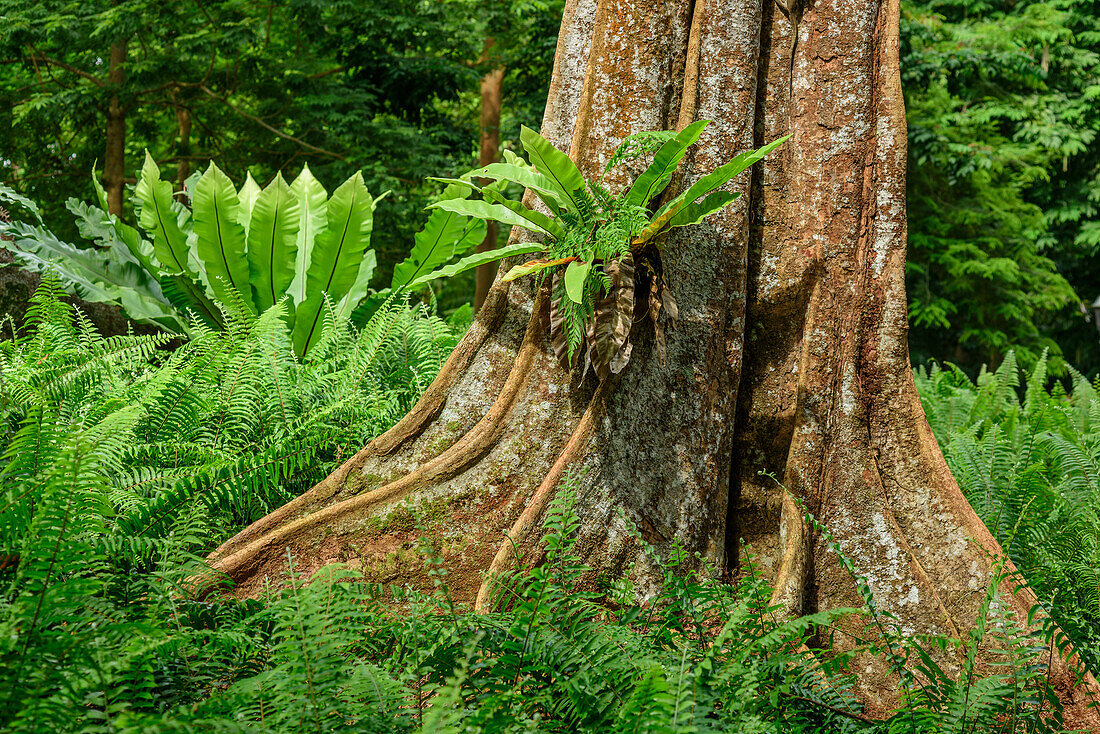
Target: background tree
x,y
519,42
789,355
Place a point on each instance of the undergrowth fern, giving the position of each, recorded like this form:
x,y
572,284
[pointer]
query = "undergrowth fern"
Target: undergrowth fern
x,y
1027,456
126,460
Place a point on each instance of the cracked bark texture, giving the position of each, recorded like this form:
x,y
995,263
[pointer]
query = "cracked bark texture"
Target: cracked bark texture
x,y
789,355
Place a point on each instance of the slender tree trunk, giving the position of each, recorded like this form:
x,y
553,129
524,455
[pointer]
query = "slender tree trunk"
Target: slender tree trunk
x,y
789,355
183,146
491,92
114,160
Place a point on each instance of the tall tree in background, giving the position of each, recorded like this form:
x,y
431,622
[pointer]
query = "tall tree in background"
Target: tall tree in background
x,y
114,159
492,91
789,355
516,35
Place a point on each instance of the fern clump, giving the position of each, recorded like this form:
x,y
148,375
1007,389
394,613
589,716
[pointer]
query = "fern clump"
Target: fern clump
x,y
1027,456
126,458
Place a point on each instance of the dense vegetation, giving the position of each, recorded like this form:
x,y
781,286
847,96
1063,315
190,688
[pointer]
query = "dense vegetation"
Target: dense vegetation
x,y
124,460
1003,179
124,463
1028,459
388,88
1004,176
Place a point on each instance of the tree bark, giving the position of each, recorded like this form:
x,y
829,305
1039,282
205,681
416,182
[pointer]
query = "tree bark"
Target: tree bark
x,y
114,160
789,355
491,93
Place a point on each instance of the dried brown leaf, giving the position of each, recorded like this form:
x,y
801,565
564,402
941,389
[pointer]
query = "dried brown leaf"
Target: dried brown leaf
x,y
669,303
559,342
609,340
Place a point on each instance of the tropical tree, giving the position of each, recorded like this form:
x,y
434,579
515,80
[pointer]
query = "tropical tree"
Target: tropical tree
x,y
788,356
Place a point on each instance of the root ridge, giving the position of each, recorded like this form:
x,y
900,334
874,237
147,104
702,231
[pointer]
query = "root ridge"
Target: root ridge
x,y
240,557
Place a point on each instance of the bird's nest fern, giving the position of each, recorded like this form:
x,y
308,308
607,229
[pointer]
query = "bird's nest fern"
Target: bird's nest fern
x,y
599,250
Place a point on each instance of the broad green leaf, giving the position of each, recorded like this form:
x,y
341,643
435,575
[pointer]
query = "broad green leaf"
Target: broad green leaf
x,y
551,226
336,258
528,178
272,242
247,196
460,183
655,178
698,211
485,210
160,221
220,239
103,276
187,294
361,287
721,175
100,192
7,193
189,184
445,235
312,218
467,263
533,266
563,174
139,247
575,275
687,215
705,185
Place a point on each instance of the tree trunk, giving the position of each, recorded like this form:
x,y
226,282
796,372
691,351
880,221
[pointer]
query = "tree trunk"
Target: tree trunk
x,y
114,160
491,93
789,355
183,146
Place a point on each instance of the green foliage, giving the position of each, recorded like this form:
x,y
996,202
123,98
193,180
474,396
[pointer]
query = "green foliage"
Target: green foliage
x,y
445,235
213,434
596,235
248,246
1002,179
95,643
1028,460
389,85
122,461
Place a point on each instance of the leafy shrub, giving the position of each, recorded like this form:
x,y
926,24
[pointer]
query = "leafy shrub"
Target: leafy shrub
x,y
287,242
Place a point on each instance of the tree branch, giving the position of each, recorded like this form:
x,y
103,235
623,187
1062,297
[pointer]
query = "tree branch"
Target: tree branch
x,y
37,56
322,74
271,128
